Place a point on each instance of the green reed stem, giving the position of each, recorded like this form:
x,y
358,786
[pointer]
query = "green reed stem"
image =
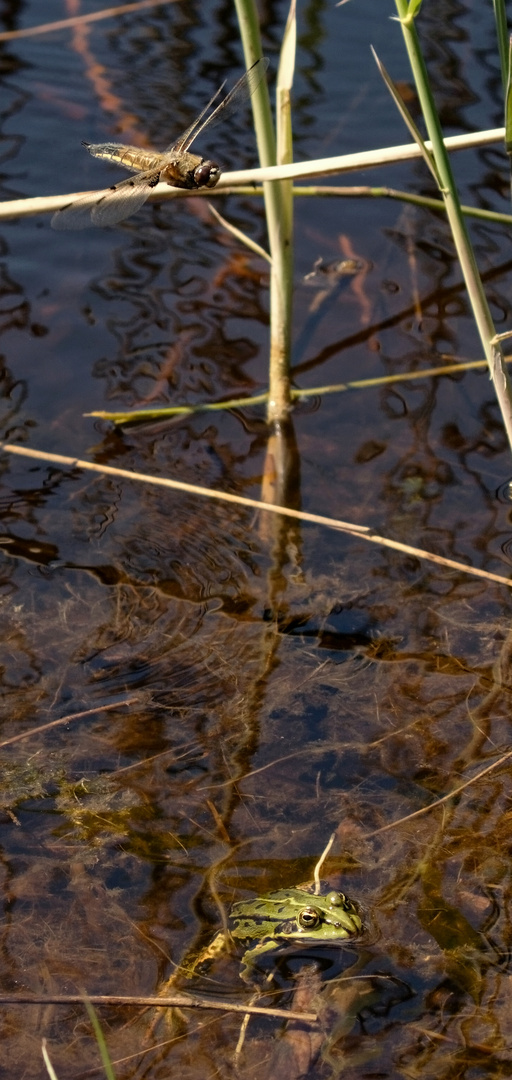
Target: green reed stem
x,y
500,16
407,12
100,1039
140,416
279,224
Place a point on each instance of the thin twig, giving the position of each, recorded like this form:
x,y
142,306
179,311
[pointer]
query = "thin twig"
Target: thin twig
x,y
65,720
254,772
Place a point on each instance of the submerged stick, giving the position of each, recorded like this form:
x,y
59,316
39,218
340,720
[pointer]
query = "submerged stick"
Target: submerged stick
x,y
183,1001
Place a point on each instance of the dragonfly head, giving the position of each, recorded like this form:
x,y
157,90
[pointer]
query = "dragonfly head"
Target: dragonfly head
x,y
206,174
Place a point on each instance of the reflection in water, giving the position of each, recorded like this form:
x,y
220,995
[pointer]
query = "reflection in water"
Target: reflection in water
x,y
283,683
143,817
172,342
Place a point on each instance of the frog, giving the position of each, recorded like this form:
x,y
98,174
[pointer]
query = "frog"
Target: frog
x,y
281,918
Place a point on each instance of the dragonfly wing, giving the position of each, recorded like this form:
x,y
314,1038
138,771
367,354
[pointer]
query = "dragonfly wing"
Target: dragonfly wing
x,y
185,140
106,207
76,215
122,200
241,92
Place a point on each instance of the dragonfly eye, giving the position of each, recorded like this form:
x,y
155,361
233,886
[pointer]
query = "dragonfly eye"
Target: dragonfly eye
x,y
207,174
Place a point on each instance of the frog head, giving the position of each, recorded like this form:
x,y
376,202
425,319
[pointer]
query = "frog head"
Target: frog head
x,y
292,915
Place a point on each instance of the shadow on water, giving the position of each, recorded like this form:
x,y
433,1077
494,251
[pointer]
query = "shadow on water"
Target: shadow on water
x,y
232,688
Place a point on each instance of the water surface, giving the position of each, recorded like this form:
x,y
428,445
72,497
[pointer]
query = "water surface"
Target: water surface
x,y
237,687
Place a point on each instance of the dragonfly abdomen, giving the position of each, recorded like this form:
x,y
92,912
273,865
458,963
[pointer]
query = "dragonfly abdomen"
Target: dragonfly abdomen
x,y
132,157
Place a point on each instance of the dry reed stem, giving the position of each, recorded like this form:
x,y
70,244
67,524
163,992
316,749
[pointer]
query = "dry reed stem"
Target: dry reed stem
x,y
364,532
366,159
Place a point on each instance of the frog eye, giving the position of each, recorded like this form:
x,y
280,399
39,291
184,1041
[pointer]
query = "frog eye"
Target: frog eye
x,y
338,899
309,918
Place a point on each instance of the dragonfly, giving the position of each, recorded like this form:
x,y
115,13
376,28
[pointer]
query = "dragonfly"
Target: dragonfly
x,y
176,166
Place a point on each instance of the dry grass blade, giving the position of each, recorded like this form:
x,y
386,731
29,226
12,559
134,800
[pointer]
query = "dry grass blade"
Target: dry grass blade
x,y
180,485
239,235
320,863
446,798
362,531
46,1058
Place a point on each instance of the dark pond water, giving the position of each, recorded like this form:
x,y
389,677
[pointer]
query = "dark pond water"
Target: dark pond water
x,y
238,688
